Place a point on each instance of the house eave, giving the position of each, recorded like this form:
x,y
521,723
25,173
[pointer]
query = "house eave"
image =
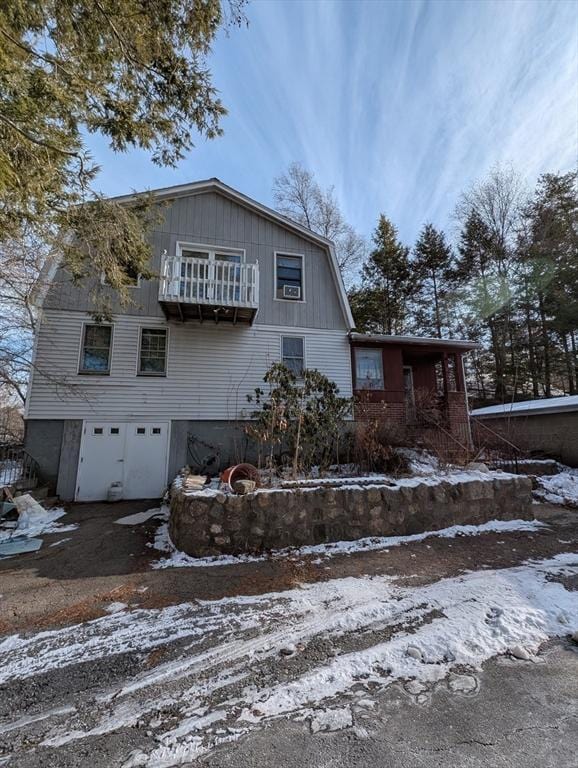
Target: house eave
x,y
463,345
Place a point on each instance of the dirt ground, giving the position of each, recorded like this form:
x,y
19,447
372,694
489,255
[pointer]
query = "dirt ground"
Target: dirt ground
x,y
102,562
522,714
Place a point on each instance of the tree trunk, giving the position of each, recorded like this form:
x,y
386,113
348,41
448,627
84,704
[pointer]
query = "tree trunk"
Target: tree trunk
x,y
531,350
569,363
546,345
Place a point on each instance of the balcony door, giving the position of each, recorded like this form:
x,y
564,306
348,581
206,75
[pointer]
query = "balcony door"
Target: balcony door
x,y
210,276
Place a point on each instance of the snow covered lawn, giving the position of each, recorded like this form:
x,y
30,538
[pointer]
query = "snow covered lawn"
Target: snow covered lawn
x,y
559,489
318,653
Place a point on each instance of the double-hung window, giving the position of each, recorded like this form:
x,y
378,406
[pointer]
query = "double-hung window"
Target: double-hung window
x,y
152,359
293,354
368,368
96,349
289,277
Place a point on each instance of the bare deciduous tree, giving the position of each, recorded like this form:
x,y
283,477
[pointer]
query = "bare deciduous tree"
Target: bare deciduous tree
x,y
299,197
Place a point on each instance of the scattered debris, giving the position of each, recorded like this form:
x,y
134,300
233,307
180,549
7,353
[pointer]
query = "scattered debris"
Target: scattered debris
x,y
140,517
19,546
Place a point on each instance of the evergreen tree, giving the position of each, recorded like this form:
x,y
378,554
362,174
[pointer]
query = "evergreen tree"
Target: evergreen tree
x,y
134,72
380,305
432,264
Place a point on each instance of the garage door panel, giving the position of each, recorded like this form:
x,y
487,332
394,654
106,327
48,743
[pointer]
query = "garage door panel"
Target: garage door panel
x,y
132,453
146,460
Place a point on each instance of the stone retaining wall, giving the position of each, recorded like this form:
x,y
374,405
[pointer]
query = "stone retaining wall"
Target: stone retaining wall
x,y
204,524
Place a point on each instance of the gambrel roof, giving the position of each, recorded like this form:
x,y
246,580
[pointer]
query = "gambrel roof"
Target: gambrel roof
x,y
216,185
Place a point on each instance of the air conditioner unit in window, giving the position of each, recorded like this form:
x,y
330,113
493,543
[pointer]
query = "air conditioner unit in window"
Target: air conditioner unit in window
x,y
291,291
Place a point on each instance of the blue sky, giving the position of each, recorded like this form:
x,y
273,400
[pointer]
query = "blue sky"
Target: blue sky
x,y
399,105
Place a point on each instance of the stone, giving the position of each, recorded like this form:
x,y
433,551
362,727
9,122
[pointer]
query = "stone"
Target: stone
x,y
264,499
462,683
215,529
288,650
478,466
414,652
574,637
415,687
222,541
242,487
518,652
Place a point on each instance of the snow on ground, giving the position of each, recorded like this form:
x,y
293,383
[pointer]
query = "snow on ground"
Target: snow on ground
x,y
178,559
559,489
227,679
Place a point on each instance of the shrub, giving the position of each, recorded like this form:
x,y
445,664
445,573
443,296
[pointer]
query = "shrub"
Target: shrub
x,y
374,447
305,417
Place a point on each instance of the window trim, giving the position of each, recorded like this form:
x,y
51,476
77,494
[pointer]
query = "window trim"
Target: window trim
x,y
210,249
149,375
294,336
303,299
80,371
357,386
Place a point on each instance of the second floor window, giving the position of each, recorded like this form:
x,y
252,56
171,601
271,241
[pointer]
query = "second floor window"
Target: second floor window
x,y
96,348
288,277
368,369
152,359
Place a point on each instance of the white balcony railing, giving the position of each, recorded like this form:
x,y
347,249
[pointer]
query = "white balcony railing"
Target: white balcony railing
x,y
189,280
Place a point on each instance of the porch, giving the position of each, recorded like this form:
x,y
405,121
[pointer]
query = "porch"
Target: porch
x,y
413,384
218,287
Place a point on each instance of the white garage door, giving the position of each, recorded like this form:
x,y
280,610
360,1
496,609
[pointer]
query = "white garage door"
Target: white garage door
x,y
132,453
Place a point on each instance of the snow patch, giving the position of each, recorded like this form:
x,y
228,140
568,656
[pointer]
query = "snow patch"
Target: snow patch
x,y
559,489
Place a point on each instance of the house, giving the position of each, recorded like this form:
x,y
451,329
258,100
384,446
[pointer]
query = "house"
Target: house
x,y
414,385
164,383
547,427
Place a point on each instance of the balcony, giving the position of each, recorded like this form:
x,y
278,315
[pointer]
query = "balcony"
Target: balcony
x,y
201,289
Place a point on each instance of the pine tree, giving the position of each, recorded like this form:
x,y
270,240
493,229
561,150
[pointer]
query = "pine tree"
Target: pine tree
x,y
134,72
380,306
432,265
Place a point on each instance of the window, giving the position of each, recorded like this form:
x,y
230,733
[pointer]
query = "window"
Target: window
x,y
114,431
152,360
368,369
156,430
141,430
96,346
293,353
289,277
97,431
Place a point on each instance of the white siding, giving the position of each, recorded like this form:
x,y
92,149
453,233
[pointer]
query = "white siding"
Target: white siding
x,y
211,369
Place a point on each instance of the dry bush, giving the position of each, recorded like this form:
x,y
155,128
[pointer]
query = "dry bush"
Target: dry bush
x,y
374,444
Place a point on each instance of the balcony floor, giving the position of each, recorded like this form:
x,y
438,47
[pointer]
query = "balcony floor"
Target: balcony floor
x,y
200,313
